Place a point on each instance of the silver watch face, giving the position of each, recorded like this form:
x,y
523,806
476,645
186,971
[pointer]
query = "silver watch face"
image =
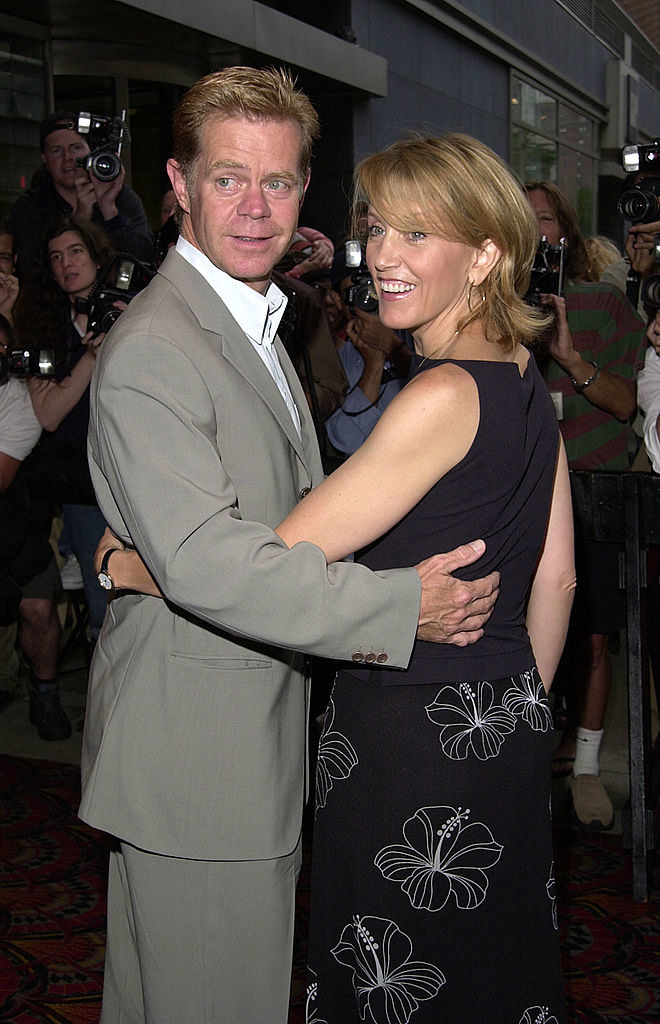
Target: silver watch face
x,y
105,581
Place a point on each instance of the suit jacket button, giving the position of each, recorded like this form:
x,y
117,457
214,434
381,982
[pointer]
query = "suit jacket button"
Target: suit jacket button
x,y
370,657
381,658
357,656
303,494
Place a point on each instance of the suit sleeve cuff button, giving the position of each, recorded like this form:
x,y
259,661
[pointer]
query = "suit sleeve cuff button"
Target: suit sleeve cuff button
x,y
381,658
358,656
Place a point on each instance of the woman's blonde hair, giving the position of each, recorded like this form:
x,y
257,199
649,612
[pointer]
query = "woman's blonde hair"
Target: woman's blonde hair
x,y
456,187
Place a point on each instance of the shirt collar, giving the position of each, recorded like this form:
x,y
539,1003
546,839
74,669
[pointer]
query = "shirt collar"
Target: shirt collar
x,y
258,315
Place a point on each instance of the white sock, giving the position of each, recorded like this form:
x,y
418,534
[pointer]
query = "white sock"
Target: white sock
x,y
586,751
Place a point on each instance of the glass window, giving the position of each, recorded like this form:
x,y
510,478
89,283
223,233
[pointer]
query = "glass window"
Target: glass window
x,y
552,141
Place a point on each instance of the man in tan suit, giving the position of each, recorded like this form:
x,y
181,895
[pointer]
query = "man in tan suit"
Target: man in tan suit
x,y
200,442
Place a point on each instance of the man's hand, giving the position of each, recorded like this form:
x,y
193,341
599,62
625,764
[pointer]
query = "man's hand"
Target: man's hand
x,y
454,611
85,197
106,193
653,332
107,542
639,246
8,294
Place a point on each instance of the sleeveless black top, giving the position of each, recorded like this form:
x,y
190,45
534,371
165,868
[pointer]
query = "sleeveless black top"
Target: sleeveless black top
x,y
500,492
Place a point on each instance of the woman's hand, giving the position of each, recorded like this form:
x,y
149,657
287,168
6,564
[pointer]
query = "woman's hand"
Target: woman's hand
x,y
558,340
93,342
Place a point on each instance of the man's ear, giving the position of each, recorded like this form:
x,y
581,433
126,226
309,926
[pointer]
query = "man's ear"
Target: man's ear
x,y
179,186
304,188
485,259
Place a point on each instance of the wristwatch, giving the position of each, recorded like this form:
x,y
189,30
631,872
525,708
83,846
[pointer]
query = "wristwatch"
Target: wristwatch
x,y
103,576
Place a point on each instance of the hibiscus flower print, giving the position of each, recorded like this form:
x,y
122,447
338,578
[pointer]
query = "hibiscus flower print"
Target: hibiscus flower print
x,y
469,721
444,856
552,895
538,1015
528,700
336,758
310,1008
389,986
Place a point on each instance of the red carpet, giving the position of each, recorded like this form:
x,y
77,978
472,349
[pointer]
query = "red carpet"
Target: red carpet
x,y
52,893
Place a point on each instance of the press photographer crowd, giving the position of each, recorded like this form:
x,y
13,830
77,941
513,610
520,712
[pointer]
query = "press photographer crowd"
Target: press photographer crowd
x,y
76,248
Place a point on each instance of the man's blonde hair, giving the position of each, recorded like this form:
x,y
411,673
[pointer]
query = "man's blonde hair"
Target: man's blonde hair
x,y
456,187
257,94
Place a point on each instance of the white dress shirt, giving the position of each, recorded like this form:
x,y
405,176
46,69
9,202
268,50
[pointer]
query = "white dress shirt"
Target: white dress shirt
x,y
256,314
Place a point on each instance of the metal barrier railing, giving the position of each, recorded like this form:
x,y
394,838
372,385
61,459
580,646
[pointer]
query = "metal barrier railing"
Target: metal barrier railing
x,y
625,508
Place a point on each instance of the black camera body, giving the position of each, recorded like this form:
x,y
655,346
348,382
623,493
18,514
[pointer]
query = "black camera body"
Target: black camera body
x,y
119,281
547,276
105,136
641,203
21,362
361,293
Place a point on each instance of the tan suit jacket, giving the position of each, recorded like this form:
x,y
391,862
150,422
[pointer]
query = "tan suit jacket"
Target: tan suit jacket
x,y
195,732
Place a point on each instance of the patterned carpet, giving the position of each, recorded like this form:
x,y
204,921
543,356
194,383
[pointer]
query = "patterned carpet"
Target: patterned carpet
x,y
52,885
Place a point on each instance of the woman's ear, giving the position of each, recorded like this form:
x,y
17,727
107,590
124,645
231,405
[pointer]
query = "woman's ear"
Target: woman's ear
x,y
485,259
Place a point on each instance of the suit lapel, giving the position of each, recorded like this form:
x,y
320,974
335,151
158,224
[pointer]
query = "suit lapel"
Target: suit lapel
x,y
238,350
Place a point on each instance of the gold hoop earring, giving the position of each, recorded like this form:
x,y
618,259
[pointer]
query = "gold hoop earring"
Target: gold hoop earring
x,y
471,286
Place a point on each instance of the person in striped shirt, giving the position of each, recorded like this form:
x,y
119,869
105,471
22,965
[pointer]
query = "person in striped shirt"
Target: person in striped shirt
x,y
590,365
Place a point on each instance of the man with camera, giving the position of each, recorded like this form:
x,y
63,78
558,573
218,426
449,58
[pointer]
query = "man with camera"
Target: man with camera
x,y
64,186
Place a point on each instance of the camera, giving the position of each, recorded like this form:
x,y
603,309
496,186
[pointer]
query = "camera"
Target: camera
x,y
104,136
547,276
360,294
641,203
119,281
21,362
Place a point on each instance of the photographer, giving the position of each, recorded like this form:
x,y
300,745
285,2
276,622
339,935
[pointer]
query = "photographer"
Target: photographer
x,y
640,196
590,364
74,253
29,580
376,360
63,188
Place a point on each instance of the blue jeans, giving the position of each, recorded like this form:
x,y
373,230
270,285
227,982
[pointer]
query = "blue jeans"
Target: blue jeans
x,y
85,525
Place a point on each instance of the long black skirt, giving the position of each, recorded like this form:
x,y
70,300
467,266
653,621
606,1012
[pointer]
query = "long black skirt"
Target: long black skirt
x,y
432,879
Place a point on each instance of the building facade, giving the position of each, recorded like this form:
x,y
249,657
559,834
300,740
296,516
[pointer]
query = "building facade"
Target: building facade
x,y
555,87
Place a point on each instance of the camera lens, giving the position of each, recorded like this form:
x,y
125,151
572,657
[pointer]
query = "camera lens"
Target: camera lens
x,y
109,318
639,206
651,291
105,165
366,299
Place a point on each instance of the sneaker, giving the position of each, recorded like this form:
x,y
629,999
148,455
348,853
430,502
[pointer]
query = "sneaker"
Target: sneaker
x,y
591,805
71,575
47,713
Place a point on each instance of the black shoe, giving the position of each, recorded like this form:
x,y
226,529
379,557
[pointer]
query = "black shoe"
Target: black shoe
x,y
47,713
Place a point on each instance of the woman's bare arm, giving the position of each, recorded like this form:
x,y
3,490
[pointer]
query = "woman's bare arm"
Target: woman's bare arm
x,y
53,400
422,434
553,587
426,430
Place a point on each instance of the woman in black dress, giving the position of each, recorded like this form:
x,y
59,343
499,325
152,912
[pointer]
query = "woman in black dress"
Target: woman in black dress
x,y
432,879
